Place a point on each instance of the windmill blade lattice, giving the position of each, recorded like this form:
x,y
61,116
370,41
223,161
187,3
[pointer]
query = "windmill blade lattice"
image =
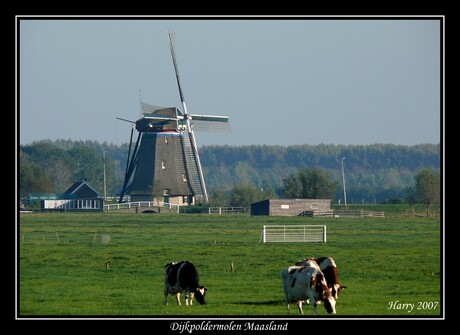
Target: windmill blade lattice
x,y
194,158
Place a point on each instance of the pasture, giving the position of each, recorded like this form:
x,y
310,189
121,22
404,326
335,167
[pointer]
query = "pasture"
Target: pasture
x,y
112,265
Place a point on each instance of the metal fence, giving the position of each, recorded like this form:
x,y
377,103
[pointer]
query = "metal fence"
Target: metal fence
x,y
294,233
357,213
138,204
225,210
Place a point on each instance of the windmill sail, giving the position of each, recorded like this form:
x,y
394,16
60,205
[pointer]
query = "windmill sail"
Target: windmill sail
x,y
210,123
195,155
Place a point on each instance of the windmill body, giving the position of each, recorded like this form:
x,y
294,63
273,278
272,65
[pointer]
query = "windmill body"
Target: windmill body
x,y
163,163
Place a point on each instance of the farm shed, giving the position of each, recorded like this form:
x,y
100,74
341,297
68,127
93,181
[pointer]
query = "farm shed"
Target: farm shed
x,y
78,197
290,207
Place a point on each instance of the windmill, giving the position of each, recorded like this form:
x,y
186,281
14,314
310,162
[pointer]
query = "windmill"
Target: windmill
x,y
164,160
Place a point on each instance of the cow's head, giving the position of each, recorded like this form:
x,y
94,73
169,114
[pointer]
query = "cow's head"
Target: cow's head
x,y
329,303
324,293
200,292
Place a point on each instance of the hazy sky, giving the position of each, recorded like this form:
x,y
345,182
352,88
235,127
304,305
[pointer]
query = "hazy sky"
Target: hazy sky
x,y
280,81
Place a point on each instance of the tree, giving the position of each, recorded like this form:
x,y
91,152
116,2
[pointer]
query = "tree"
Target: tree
x,y
310,183
32,179
60,174
243,195
427,184
292,187
411,195
157,190
89,166
219,197
374,172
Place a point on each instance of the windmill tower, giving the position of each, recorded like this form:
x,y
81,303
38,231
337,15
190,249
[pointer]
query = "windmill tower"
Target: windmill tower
x,y
163,164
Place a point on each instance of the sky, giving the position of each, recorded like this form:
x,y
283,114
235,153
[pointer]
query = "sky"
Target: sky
x,y
281,81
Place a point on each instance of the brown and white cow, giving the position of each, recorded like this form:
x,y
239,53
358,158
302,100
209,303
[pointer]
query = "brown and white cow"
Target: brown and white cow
x,y
306,283
328,266
182,277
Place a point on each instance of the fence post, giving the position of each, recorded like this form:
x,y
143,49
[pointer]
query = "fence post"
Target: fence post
x,y
220,210
324,234
264,234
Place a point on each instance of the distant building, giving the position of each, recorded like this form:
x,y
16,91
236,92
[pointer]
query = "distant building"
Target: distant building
x,y
290,207
79,197
80,190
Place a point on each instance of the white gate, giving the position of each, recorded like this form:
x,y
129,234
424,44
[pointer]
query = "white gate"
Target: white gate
x,y
294,233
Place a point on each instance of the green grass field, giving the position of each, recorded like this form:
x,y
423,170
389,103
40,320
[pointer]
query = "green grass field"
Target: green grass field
x,y
112,264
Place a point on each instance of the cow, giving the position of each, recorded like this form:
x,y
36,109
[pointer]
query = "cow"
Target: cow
x,y
182,277
306,282
329,268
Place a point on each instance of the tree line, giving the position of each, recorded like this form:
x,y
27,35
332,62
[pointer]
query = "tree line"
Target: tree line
x,y
373,173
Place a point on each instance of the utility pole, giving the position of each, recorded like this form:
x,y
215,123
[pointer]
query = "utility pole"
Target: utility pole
x,y
105,183
343,180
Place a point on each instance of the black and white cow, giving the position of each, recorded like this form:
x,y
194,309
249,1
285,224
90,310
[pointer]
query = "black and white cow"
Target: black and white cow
x,y
306,283
329,268
182,277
